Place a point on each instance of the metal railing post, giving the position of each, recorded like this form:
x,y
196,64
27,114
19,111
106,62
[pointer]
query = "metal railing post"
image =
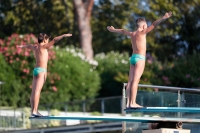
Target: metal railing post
x,y
23,118
102,107
183,101
83,106
123,107
48,110
123,99
179,103
66,109
14,123
162,100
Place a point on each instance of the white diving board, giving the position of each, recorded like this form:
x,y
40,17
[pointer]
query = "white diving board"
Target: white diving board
x,y
120,118
164,109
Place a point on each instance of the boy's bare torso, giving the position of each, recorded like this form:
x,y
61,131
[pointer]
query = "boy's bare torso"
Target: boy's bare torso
x,y
41,56
138,41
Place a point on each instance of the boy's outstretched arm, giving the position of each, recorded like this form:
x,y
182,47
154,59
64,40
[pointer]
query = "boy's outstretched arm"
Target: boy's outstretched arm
x,y
56,39
157,22
121,31
29,46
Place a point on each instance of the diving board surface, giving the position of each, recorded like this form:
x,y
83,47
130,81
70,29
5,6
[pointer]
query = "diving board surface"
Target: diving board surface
x,y
120,118
164,109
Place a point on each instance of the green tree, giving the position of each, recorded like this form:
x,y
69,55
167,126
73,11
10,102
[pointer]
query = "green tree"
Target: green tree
x,y
35,16
116,13
27,16
173,37
170,39
83,12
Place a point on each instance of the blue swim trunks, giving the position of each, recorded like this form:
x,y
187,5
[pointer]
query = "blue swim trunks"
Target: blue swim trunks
x,y
38,70
136,57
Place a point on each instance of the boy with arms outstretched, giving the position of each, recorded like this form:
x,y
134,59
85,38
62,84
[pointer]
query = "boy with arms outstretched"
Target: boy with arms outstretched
x,y
137,60
40,71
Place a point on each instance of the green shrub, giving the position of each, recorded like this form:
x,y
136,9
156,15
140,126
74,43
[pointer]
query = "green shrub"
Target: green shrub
x,y
110,67
22,62
72,78
69,77
11,90
182,72
114,71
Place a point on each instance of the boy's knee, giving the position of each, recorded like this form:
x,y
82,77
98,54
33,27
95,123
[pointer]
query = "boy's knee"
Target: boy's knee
x,y
136,80
37,93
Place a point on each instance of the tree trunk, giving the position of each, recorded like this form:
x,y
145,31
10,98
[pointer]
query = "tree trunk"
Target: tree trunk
x,y
83,12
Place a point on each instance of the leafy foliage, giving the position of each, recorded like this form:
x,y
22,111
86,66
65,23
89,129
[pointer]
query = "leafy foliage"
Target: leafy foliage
x,y
116,13
182,72
69,77
51,17
114,70
109,67
22,62
171,38
10,90
73,78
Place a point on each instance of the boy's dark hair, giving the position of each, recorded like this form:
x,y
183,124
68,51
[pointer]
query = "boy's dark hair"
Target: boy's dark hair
x,y
139,20
42,37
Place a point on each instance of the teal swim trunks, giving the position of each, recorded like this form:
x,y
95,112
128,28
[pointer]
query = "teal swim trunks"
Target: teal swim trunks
x,y
135,58
38,70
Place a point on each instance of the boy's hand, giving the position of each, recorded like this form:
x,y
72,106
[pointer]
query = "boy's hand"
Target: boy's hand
x,y
20,46
110,28
67,35
167,15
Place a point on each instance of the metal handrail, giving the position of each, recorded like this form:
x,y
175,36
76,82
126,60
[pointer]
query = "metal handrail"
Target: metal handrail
x,y
168,87
180,91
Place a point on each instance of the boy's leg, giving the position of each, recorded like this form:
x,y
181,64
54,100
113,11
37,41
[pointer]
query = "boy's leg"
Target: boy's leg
x,y
39,84
32,93
129,84
45,77
138,71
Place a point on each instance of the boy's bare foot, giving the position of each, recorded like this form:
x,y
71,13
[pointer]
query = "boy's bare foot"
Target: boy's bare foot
x,y
39,114
36,114
127,105
135,106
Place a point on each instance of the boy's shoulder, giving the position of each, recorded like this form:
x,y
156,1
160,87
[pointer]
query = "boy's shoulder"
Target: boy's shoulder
x,y
133,33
